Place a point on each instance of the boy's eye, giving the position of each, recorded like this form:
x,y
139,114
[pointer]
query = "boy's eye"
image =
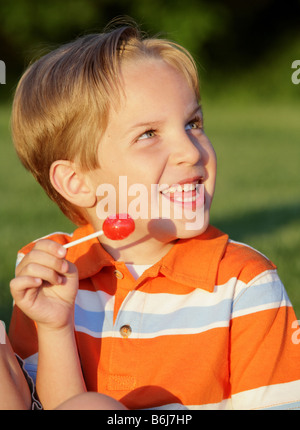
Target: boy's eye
x,y
194,125
147,135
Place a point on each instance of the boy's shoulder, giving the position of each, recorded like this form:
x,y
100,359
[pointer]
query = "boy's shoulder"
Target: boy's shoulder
x,y
244,262
212,258
227,251
88,256
58,236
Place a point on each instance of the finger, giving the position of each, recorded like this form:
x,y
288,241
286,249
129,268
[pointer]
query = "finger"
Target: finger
x,y
42,258
50,247
21,284
46,247
46,273
72,270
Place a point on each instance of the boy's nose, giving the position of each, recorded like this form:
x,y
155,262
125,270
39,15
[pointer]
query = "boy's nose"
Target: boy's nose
x,y
185,149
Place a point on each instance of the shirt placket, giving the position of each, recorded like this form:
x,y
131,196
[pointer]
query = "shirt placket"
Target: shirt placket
x,y
122,366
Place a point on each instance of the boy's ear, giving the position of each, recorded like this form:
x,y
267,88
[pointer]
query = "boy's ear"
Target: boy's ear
x,y
72,184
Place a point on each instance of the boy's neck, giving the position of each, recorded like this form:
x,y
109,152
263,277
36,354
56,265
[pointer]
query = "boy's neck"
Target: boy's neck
x,y
143,251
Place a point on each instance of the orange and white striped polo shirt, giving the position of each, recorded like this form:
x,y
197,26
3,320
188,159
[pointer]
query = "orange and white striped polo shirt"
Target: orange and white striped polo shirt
x,y
209,326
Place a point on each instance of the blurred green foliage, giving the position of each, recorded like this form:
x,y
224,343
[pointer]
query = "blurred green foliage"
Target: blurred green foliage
x,y
231,39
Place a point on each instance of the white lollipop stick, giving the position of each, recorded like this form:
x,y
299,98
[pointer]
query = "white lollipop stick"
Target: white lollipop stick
x,y
83,239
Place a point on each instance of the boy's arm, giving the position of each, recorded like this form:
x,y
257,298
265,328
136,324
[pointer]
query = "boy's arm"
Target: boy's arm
x,y
59,375
14,391
45,288
264,356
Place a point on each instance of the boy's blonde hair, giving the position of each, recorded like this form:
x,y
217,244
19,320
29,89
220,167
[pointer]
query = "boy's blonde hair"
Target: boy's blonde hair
x,y
62,102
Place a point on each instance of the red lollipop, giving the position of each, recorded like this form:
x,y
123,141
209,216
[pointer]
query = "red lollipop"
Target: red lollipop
x,y
115,227
118,227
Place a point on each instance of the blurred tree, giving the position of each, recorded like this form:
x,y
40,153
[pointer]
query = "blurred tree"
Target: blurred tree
x,y
223,35
27,22
31,24
191,23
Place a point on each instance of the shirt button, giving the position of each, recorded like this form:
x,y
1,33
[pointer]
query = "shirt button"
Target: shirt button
x,y
125,330
118,274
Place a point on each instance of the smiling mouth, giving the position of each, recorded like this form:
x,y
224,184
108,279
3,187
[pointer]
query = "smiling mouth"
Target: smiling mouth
x,y
189,191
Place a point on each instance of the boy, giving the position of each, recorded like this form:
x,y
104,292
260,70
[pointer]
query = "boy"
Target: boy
x,y
171,317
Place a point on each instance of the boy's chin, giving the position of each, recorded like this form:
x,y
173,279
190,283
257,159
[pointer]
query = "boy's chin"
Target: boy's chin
x,y
193,228
189,233
166,230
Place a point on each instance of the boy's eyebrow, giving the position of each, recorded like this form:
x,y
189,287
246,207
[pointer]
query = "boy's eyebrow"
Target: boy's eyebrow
x,y
146,124
197,109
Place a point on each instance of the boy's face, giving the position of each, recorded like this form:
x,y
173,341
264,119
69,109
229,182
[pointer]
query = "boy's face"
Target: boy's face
x,y
155,138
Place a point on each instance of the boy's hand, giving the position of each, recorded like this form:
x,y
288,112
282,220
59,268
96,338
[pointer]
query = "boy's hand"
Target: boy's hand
x,y
46,285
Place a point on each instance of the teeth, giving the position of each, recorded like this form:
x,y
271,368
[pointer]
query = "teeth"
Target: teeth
x,y
179,188
186,199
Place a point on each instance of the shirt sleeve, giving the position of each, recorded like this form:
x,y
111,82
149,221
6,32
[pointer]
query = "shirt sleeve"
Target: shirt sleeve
x,y
264,356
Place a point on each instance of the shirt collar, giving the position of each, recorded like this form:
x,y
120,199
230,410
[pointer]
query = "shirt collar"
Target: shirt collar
x,y
90,257
193,262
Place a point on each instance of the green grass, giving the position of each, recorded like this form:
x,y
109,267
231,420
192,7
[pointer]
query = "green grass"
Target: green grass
x,y
257,197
